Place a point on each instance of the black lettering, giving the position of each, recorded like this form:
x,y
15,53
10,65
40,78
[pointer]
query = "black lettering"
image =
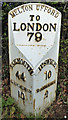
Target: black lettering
x,y
22,7
38,36
50,61
49,10
38,26
37,7
23,26
45,8
42,6
49,74
53,11
52,26
37,17
26,8
19,10
56,15
32,17
12,14
45,27
16,11
22,95
30,7
30,26
30,35
15,27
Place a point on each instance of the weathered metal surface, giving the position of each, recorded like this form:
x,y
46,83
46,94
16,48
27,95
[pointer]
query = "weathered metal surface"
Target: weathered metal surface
x,y
34,104
34,33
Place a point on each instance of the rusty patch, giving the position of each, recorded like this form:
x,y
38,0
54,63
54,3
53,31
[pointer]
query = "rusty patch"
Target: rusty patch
x,y
34,104
46,86
45,72
31,45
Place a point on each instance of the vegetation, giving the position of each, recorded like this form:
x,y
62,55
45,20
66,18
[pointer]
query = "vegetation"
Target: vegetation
x,y
10,109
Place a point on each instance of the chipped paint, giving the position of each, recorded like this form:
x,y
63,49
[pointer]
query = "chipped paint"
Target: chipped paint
x,y
30,97
34,104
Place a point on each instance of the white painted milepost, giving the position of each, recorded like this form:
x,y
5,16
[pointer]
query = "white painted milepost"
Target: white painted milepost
x,y
34,35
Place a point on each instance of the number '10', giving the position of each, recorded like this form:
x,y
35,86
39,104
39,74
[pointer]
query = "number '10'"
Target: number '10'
x,y
47,74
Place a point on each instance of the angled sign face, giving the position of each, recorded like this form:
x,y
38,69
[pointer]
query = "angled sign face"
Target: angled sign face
x,y
35,29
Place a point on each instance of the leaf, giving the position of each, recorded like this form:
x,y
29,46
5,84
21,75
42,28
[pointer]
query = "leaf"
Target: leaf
x,y
9,101
3,102
65,83
12,111
58,86
66,102
6,111
4,4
